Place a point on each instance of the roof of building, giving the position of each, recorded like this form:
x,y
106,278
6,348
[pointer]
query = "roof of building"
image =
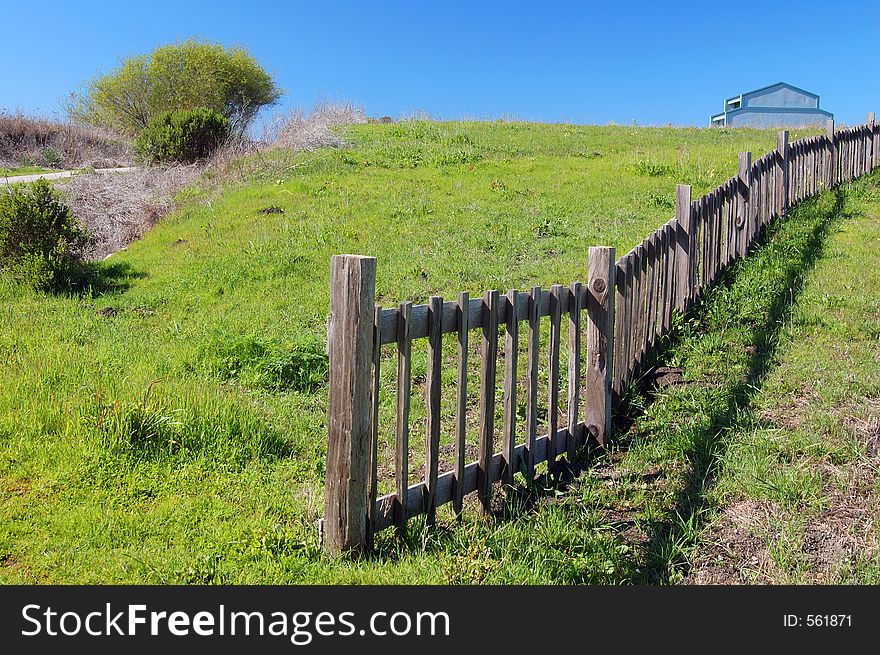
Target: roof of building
x,y
775,86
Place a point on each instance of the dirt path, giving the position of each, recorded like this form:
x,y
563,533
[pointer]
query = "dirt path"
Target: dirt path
x,y
4,181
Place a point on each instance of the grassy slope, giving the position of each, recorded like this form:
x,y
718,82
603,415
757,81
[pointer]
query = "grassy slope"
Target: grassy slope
x,y
162,441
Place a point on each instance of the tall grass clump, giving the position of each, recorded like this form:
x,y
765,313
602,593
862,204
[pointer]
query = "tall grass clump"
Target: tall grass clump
x,y
155,425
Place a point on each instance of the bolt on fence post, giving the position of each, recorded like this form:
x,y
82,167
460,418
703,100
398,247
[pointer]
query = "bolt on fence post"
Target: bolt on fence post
x,y
349,422
781,172
684,234
743,221
832,145
601,289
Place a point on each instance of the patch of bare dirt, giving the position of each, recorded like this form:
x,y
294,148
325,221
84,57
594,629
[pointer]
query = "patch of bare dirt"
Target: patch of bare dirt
x,y
664,376
735,550
790,414
846,529
864,421
17,487
842,533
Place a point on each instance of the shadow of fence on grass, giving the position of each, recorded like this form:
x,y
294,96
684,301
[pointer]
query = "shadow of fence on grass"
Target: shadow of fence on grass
x,y
709,443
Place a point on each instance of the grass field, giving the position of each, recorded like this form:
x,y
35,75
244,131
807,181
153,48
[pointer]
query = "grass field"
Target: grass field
x,y
168,424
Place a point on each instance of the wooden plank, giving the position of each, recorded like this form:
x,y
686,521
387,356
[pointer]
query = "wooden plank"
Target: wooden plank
x,y
718,235
600,342
684,229
487,396
651,294
832,148
534,349
630,315
701,244
782,137
511,357
725,226
644,282
404,389
744,217
619,324
349,426
874,140
556,297
374,435
461,401
636,311
574,366
434,387
668,272
708,238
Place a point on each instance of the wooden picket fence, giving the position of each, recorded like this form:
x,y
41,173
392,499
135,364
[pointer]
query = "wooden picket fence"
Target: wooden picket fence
x,y
629,305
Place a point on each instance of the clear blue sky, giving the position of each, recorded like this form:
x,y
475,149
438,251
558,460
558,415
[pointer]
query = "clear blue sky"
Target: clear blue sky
x,y
648,62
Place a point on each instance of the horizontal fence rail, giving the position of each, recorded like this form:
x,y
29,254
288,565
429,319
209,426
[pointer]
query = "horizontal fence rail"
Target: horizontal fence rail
x,y
612,321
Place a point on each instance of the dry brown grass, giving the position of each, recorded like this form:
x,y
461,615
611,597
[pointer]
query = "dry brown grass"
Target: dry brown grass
x,y
118,208
30,141
298,131
241,159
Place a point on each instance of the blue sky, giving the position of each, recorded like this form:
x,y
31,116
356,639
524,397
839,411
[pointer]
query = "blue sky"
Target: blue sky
x,y
649,62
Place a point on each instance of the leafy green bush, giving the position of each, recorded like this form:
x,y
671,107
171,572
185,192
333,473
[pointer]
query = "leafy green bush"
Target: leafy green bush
x,y
186,135
39,237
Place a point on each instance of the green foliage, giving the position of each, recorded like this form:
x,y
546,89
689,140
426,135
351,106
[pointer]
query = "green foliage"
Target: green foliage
x,y
38,235
649,168
184,135
184,75
265,364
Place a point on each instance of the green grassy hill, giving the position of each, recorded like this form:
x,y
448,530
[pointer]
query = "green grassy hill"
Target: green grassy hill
x,y
169,426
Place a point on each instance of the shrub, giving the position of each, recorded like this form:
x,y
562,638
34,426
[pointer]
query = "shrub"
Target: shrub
x,y
187,135
39,238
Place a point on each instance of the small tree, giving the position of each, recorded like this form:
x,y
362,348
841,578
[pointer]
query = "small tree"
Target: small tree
x,y
181,76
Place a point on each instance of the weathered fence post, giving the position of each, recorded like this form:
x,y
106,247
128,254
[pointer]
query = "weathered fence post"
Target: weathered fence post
x,y
684,234
350,348
743,221
781,172
832,145
600,341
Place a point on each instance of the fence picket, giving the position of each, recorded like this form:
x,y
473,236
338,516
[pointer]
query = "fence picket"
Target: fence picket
x,y
511,357
487,397
404,383
574,367
461,400
433,384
